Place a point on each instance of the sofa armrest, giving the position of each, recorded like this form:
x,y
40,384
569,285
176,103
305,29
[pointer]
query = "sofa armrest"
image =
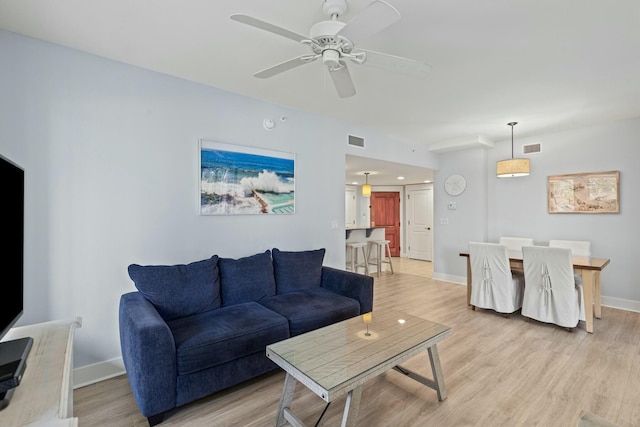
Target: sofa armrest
x,y
149,354
352,285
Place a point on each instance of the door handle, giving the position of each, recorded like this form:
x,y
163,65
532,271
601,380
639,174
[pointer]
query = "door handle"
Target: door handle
x,y
428,228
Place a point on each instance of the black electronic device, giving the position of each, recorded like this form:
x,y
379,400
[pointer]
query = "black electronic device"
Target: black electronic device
x,y
13,362
13,354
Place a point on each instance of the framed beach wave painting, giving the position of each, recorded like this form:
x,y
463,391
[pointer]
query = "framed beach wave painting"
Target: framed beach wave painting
x,y
240,180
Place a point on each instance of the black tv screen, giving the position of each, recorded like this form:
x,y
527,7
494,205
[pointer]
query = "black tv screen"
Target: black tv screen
x,y
12,236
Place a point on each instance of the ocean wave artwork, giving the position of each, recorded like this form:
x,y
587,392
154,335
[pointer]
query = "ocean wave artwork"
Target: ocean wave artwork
x,y
245,180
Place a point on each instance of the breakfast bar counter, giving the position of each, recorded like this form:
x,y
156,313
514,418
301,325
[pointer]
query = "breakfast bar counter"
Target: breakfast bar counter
x,y
362,234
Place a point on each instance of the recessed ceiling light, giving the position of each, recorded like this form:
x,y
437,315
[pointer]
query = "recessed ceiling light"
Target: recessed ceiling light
x,y
401,177
427,181
355,183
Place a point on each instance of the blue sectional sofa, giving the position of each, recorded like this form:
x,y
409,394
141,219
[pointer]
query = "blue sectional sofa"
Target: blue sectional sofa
x,y
191,330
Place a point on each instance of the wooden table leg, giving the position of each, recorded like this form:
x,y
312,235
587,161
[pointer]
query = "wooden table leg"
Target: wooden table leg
x,y
597,295
587,287
436,369
351,407
285,399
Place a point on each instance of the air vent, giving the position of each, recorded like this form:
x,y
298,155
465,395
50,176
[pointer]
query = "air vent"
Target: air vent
x,y
531,148
356,141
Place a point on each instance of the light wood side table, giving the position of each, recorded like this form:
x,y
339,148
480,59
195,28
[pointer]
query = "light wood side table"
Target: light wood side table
x,y
45,394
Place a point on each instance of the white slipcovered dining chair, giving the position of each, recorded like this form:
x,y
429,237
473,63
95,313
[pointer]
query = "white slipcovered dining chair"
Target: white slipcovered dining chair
x,y
516,243
551,294
578,248
493,285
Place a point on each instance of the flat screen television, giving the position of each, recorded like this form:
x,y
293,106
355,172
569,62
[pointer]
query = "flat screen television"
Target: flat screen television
x,y
13,354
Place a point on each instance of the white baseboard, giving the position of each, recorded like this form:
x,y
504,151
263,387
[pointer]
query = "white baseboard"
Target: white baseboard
x,y
618,303
458,280
621,304
97,372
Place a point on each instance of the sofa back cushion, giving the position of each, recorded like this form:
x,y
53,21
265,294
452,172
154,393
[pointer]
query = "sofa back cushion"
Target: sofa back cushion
x,y
179,290
295,271
246,279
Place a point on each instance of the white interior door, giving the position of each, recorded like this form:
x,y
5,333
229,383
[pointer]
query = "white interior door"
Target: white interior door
x,y
350,205
420,223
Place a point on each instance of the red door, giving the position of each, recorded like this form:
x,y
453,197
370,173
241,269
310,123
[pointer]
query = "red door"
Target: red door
x,y
385,212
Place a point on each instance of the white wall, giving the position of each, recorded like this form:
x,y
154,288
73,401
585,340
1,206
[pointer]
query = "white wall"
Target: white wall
x,y
111,159
492,207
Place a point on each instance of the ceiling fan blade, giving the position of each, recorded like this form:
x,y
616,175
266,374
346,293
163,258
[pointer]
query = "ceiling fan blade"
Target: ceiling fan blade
x,y
342,81
396,63
287,65
374,18
254,22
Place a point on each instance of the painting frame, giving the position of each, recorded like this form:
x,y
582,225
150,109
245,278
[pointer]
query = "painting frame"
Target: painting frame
x,y
243,180
584,193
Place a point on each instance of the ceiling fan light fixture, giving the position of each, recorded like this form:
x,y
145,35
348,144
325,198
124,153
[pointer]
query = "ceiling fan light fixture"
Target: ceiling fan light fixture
x,y
512,167
331,58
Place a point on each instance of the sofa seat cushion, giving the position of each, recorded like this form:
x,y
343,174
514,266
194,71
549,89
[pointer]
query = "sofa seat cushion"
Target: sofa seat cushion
x,y
313,308
209,339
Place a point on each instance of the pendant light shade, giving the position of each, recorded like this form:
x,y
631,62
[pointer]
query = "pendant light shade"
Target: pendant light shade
x,y
512,167
366,188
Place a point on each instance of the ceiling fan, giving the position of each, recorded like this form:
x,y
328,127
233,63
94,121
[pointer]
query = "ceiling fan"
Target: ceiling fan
x,y
334,42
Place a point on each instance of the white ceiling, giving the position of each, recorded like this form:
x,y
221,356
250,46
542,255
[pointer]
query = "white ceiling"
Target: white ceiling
x,y
383,173
549,65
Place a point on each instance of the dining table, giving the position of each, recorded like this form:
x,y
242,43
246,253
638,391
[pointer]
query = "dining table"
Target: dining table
x,y
589,269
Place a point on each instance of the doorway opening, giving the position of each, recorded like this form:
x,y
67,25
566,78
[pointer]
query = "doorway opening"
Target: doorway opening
x,y
413,231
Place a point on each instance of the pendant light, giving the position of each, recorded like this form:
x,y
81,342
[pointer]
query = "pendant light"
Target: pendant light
x,y
366,188
512,167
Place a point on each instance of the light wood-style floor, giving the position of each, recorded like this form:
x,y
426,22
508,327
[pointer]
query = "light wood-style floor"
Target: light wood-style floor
x,y
498,372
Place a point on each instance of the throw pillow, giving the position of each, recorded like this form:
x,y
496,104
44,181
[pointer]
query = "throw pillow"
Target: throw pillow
x,y
179,290
295,271
246,279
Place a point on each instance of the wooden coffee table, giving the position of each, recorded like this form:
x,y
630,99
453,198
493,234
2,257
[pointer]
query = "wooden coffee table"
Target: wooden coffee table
x,y
338,359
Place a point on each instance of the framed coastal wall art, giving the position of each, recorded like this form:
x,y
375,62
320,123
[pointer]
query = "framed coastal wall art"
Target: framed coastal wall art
x,y
584,193
240,180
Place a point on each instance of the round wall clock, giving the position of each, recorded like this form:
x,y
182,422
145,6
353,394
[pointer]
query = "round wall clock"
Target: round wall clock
x,y
455,185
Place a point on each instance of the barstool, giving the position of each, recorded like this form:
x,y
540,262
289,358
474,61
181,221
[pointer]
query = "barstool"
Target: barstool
x,y
353,248
382,250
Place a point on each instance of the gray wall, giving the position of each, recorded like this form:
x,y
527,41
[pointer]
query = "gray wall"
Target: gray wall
x,y
468,222
518,206
521,204
111,159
